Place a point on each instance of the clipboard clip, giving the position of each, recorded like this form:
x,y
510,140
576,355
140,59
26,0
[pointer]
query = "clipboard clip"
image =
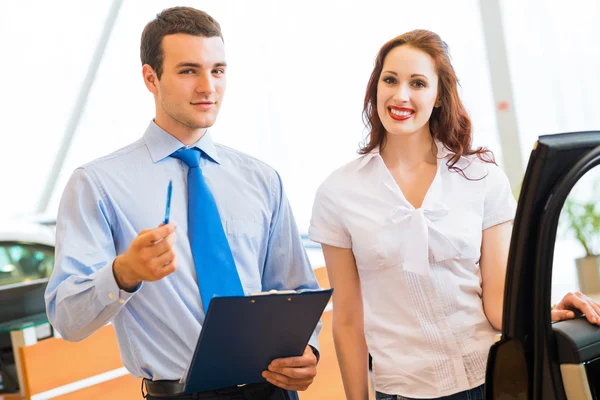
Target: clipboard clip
x,y
273,292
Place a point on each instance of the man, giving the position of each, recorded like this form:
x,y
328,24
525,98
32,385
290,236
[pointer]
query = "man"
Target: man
x,y
110,266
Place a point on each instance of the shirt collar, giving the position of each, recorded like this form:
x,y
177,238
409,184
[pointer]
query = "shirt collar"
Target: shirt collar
x,y
367,157
442,152
161,144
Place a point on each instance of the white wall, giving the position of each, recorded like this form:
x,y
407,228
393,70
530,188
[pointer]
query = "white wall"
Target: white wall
x,y
296,79
554,60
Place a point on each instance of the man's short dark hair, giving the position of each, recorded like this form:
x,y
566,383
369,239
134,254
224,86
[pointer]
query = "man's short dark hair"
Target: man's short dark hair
x,y
171,21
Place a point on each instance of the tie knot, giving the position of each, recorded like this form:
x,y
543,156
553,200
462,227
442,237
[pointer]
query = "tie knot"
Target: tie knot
x,y
191,157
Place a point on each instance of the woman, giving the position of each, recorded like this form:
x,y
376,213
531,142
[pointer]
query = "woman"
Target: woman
x,y
416,234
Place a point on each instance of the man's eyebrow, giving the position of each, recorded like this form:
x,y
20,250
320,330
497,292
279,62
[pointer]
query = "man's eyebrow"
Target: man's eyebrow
x,y
196,65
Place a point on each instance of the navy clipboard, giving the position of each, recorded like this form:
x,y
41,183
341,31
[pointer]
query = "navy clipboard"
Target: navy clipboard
x,y
241,335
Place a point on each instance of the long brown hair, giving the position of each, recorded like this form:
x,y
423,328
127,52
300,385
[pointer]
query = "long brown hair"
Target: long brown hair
x,y
449,123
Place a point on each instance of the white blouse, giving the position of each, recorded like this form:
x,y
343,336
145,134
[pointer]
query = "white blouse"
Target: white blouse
x,y
419,268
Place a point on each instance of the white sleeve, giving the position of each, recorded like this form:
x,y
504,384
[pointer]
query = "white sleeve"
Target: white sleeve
x,y
500,204
326,224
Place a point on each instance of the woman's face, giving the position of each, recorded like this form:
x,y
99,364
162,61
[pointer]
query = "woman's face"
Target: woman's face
x,y
407,91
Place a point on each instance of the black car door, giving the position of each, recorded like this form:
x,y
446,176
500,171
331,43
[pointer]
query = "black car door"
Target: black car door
x,y
536,359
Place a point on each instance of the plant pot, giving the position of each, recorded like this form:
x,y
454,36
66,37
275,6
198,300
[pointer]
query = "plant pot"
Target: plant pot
x,y
588,274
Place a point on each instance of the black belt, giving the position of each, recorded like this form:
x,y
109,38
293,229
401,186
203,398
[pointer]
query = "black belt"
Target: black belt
x,y
256,391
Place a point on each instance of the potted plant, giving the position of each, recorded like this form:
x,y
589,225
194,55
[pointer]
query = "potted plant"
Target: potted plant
x,y
582,219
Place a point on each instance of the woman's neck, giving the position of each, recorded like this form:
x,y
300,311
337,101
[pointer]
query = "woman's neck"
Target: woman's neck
x,y
408,152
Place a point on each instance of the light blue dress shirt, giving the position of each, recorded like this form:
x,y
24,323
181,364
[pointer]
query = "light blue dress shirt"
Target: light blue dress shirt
x,y
105,205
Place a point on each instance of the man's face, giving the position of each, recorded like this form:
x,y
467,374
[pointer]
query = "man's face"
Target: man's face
x,y
192,85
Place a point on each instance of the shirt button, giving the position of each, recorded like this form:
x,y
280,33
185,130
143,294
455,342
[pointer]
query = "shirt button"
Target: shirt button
x,y
111,295
121,301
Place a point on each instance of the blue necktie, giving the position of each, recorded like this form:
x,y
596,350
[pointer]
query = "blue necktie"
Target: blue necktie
x,y
215,266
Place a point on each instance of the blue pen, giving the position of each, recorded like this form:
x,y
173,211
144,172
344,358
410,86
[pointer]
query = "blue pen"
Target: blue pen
x,y
168,209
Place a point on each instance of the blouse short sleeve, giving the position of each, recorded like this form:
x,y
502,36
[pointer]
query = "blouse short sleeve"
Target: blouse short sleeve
x,y
499,204
326,223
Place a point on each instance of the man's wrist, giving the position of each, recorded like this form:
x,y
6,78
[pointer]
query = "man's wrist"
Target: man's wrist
x,y
315,352
123,281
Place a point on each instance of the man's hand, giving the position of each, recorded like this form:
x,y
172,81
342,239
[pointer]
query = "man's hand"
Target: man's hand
x,y
293,373
576,303
150,257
